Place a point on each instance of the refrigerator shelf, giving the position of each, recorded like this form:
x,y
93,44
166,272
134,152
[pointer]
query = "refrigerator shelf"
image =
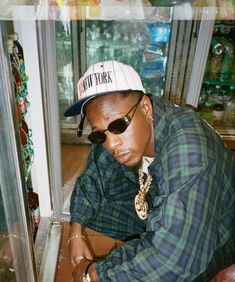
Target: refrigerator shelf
x,y
221,83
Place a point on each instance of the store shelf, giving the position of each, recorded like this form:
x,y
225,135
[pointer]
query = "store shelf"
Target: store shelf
x,y
226,132
225,25
217,82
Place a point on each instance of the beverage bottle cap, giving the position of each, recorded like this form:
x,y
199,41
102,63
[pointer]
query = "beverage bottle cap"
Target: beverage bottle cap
x,y
13,36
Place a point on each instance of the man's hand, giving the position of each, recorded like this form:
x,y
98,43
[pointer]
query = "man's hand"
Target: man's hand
x,y
78,248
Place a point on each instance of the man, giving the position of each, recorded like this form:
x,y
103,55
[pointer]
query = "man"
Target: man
x,y
158,178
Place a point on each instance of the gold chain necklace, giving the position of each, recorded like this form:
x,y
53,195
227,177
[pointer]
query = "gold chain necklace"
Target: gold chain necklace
x,y
141,205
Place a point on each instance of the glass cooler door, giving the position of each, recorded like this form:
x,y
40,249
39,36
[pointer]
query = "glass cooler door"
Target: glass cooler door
x,y
16,243
142,44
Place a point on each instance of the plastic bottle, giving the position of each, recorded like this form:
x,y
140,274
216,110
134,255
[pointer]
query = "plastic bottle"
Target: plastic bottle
x,y
224,29
216,46
33,200
218,95
203,97
117,46
215,65
17,81
233,70
226,65
93,47
206,103
17,46
133,53
125,45
208,66
106,48
226,94
229,114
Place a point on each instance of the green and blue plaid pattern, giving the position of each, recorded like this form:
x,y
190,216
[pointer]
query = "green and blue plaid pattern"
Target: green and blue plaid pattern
x,y
192,203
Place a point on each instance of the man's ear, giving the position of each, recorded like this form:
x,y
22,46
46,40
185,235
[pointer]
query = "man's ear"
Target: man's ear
x,y
147,107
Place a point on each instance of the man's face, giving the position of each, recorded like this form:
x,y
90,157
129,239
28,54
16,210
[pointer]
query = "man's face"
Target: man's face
x,y
137,140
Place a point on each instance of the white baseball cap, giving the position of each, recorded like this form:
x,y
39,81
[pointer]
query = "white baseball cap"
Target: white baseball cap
x,y
104,78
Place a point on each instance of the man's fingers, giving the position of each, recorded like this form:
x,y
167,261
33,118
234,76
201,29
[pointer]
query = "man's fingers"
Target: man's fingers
x,y
76,260
89,256
72,261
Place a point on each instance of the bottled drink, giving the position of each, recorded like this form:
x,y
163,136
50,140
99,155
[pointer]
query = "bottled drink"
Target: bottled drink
x,y
216,46
233,70
218,95
203,97
208,66
206,112
93,46
104,27
225,29
125,45
17,46
140,52
229,114
117,46
218,112
215,65
231,93
34,209
225,69
228,45
133,53
226,65
108,48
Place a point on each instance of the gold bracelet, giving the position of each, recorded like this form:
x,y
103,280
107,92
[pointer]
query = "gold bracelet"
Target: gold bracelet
x,y
80,235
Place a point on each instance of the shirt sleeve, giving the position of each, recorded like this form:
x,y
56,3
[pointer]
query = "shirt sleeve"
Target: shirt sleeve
x,y
180,237
85,198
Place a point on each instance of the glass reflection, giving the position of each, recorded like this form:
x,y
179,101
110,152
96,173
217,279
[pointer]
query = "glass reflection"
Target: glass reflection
x,y
6,268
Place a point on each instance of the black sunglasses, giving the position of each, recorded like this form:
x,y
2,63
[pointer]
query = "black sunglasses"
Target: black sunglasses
x,y
117,126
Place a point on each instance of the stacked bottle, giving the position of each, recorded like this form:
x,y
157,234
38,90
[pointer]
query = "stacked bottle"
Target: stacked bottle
x,y
113,40
221,60
217,104
217,97
139,44
226,66
229,114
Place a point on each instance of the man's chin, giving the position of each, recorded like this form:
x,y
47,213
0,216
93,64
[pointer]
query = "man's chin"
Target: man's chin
x,y
135,165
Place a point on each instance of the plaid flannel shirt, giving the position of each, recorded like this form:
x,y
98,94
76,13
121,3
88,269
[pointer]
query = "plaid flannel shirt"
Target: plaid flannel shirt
x,y
191,198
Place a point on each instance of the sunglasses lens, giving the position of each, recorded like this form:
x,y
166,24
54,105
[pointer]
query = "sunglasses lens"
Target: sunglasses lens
x,y
116,127
119,126
97,137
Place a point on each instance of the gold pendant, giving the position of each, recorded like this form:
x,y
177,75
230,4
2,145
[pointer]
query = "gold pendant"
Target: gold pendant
x,y
141,207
